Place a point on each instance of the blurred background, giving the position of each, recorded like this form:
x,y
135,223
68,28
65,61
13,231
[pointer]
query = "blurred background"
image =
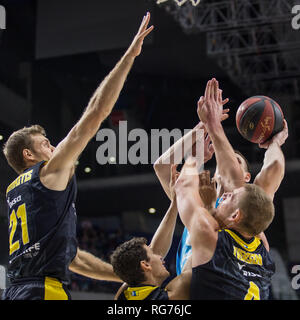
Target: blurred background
x,y
54,54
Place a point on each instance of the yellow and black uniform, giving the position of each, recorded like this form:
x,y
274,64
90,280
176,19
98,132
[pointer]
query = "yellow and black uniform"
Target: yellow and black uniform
x,y
42,237
144,292
240,269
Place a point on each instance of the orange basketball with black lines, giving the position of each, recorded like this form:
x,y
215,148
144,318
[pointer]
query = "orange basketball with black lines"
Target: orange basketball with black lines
x,y
259,118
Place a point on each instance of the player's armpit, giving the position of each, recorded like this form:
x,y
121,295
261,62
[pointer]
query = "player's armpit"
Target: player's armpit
x,y
204,237
179,287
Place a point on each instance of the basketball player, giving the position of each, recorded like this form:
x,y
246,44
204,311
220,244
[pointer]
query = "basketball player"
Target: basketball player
x,y
42,216
142,268
233,166
229,261
144,273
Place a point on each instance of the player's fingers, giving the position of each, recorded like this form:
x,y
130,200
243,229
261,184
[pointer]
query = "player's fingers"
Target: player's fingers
x,y
210,90
146,32
207,90
225,101
216,92
264,145
224,116
202,178
214,183
200,102
211,148
207,141
207,177
285,125
173,171
144,23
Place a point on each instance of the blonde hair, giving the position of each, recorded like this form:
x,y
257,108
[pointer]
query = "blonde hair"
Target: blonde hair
x,y
257,210
17,142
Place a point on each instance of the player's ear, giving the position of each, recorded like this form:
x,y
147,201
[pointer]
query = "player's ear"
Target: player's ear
x,y
247,177
237,216
234,218
145,265
27,154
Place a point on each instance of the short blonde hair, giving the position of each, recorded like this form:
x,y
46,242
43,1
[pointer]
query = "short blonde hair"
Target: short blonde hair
x,y
17,142
257,210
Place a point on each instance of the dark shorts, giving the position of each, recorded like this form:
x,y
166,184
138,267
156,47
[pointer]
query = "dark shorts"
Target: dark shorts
x,y
47,289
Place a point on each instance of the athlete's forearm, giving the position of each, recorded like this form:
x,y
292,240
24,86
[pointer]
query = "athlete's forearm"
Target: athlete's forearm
x,y
162,239
272,172
105,96
175,153
272,155
90,266
181,147
109,90
228,166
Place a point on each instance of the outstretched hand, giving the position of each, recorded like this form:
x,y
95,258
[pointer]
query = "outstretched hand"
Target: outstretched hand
x,y
211,105
279,138
207,190
136,46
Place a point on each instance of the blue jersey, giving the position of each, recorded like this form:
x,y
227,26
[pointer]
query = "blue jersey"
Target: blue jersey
x,y
184,250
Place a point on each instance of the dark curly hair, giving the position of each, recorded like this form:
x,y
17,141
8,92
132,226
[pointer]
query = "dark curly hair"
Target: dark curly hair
x,y
126,261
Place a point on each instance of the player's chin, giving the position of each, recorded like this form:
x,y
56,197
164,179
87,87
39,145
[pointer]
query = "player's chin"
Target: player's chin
x,y
167,273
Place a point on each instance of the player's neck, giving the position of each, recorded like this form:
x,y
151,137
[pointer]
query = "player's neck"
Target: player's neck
x,y
243,234
152,281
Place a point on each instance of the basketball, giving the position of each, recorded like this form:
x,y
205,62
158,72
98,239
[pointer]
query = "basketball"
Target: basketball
x,y
259,118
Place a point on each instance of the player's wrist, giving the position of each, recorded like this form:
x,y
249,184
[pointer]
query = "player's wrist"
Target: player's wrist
x,y
129,56
213,126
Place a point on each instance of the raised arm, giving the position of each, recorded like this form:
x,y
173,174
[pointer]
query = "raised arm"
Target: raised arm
x,y
272,172
162,239
203,228
209,110
56,172
90,266
163,163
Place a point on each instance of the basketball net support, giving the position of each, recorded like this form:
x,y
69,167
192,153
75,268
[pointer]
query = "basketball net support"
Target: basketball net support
x,y
181,2
251,40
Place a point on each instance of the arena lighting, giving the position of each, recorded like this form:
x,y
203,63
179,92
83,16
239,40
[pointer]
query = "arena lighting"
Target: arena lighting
x,y
181,2
87,169
1,137
152,210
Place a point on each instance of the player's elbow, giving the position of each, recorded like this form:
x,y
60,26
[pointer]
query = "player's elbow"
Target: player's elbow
x,y
76,263
161,169
181,186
